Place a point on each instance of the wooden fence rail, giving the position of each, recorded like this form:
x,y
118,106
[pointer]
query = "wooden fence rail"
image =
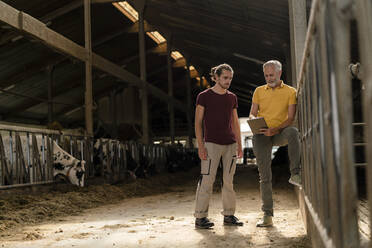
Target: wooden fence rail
x,y
326,120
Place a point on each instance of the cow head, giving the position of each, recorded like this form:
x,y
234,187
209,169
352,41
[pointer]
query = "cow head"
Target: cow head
x,y
68,166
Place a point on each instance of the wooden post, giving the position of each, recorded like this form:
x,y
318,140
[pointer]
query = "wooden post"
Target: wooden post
x,y
23,176
189,108
342,126
114,112
143,76
298,27
287,64
88,70
50,93
318,133
5,172
36,160
335,228
49,141
170,89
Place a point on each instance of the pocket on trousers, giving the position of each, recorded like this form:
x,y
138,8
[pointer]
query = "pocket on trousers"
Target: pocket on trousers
x,y
233,162
206,166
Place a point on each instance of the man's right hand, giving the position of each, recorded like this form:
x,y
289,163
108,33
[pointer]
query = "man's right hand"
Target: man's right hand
x,y
202,153
251,117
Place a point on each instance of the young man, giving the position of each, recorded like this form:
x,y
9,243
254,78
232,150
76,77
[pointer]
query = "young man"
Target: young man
x,y
216,108
276,102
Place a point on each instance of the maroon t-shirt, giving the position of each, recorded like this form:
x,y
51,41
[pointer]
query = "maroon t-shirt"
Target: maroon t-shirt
x,y
218,116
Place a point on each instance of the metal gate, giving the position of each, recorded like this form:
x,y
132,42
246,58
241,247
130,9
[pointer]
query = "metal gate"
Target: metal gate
x,y
325,110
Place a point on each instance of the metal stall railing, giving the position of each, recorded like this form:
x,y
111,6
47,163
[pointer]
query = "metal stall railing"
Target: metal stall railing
x,y
26,155
326,123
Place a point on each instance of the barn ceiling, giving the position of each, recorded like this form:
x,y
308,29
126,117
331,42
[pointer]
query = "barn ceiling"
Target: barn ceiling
x,y
207,32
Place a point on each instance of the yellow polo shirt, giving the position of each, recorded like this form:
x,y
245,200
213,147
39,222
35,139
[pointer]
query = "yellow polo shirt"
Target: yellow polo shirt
x,y
273,103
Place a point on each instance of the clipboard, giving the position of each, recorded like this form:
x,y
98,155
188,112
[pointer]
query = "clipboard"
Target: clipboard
x,y
257,124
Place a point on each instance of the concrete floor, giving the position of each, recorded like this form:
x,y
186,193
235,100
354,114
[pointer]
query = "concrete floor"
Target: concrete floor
x,y
166,220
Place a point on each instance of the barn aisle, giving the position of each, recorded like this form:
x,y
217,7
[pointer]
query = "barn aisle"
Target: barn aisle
x,y
165,220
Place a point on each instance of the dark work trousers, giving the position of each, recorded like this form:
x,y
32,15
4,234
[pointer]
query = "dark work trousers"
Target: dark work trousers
x,y
262,147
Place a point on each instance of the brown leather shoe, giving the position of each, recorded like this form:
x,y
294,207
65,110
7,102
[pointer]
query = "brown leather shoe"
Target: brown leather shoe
x,y
203,223
231,220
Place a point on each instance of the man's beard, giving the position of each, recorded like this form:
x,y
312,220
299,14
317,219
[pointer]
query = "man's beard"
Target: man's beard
x,y
274,84
223,86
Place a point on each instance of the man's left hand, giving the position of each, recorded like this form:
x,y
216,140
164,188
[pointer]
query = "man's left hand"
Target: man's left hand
x,y
269,131
240,151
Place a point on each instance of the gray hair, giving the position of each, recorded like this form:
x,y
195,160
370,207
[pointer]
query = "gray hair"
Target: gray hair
x,y
275,63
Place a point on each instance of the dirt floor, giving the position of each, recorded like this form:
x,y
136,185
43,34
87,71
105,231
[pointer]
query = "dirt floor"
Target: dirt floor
x,y
156,212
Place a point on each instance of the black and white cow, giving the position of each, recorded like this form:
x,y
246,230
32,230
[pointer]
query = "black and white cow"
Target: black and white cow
x,y
64,164
67,165
133,169
180,160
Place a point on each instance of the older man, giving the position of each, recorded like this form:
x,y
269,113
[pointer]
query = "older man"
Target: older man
x,y
276,102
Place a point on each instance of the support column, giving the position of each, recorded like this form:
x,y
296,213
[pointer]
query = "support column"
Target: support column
x,y
287,64
88,70
114,112
50,94
189,106
170,89
298,28
143,72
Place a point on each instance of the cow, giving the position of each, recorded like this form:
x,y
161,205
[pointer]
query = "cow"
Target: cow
x,y
180,160
133,168
68,166
64,164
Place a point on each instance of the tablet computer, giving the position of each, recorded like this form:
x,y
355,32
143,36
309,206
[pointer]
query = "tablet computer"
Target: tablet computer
x,y
256,124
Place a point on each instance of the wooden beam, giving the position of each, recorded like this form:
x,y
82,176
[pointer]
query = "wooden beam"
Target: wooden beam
x,y
298,27
88,70
37,29
170,88
179,63
161,49
106,1
53,61
189,106
50,94
135,28
46,19
61,11
143,72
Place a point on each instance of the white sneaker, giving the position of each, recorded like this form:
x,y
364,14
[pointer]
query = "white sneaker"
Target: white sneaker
x,y
295,180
